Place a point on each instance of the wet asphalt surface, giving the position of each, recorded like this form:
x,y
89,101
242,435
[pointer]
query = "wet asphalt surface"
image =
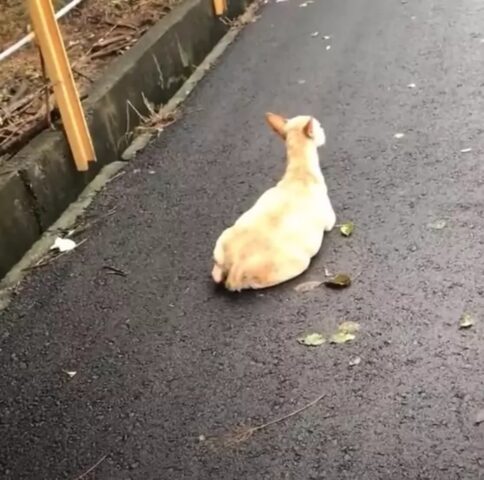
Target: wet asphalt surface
x,y
165,362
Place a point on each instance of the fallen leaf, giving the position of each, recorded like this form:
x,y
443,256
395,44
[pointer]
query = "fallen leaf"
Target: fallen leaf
x,y
411,85
342,337
438,224
347,229
63,244
399,135
314,34
346,333
349,327
328,47
340,280
479,417
355,361
466,150
307,286
466,321
70,373
312,340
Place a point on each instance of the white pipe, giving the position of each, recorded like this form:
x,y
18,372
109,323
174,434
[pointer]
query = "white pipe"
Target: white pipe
x,y
28,38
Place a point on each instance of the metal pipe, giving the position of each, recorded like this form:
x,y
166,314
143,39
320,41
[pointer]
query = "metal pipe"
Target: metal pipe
x,y
28,38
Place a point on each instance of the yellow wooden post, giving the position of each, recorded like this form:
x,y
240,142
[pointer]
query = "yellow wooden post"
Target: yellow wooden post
x,y
220,6
50,41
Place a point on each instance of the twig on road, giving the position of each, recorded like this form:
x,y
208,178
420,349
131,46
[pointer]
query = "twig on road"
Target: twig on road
x,y
244,433
87,472
115,271
85,226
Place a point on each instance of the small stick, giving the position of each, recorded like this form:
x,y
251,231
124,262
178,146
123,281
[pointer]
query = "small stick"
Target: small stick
x,y
105,42
87,472
115,177
246,434
120,24
114,49
115,271
83,227
23,103
19,94
82,74
90,49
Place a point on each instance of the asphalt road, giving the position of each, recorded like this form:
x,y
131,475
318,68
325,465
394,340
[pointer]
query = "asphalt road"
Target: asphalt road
x,y
167,366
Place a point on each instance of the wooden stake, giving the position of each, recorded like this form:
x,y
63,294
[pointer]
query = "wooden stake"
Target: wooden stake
x,y
50,41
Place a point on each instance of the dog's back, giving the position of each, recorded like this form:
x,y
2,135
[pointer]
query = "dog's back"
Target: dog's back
x,y
276,239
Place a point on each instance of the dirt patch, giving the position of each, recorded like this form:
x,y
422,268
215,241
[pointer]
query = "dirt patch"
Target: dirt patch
x,y
94,33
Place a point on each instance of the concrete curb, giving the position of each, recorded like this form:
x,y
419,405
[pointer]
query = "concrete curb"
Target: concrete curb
x,y
40,182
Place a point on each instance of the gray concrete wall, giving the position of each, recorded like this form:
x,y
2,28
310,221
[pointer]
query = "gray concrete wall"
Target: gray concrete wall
x,y
40,182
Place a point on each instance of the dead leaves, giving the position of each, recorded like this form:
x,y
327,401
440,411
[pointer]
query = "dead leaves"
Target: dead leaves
x,y
312,340
466,321
340,280
341,337
346,229
346,332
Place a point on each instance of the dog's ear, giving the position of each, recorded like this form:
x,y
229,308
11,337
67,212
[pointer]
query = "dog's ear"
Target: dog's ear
x,y
277,123
309,129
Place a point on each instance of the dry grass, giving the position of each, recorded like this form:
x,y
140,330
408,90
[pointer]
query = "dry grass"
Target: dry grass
x,y
94,34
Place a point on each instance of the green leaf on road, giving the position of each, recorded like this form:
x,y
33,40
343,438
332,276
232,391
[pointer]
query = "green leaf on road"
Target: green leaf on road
x,y
312,340
340,280
346,333
342,337
347,229
349,327
466,321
